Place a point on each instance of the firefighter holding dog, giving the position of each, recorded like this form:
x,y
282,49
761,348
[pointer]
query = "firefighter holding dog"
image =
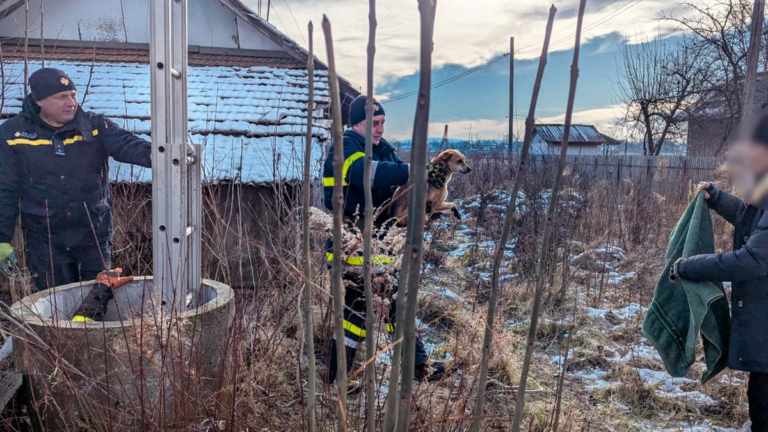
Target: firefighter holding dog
x,y
54,171
388,172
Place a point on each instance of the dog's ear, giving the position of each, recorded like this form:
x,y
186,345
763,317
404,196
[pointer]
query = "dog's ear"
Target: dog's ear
x,y
447,156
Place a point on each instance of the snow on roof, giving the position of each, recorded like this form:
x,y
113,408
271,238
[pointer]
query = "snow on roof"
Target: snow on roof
x,y
251,121
579,134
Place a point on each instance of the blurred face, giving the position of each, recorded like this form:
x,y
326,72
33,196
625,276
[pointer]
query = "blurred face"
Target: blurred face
x,y
59,109
378,128
747,164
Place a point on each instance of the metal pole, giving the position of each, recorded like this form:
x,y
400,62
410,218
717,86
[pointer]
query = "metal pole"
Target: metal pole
x,y
511,93
176,190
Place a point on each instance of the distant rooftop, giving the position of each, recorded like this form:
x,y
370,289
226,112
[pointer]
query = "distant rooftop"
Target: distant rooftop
x,y
579,134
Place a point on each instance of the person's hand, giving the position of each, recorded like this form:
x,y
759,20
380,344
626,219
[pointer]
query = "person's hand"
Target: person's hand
x,y
702,187
436,175
7,257
674,270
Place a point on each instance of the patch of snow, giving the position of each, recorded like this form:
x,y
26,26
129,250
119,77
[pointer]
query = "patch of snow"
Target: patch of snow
x,y
632,310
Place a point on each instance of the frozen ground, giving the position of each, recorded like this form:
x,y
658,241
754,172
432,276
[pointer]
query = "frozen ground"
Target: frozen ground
x,y
611,355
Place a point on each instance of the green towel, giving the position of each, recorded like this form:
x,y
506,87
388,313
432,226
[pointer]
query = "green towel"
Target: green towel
x,y
683,309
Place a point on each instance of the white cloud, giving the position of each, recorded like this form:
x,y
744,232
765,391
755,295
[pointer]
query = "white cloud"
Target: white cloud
x,y
466,33
460,129
603,118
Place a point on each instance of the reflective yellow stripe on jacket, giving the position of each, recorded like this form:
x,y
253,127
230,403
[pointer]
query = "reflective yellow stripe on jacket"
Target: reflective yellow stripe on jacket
x,y
358,260
355,330
331,181
80,318
24,141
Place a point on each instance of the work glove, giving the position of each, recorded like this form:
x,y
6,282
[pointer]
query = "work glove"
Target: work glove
x,y
674,269
7,257
436,175
94,307
456,213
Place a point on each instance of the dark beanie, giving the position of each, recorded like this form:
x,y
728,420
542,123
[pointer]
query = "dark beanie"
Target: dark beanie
x,y
357,110
49,81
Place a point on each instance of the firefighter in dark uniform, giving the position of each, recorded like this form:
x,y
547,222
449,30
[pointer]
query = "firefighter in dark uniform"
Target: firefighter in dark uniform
x,y
388,172
54,171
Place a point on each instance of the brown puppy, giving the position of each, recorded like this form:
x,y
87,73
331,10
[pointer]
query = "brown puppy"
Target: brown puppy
x,y
455,162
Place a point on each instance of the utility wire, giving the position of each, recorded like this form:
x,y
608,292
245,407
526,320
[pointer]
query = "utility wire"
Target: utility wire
x,y
625,7
281,21
295,22
451,79
523,49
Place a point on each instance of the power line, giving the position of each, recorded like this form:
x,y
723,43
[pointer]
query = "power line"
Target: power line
x,y
281,21
295,22
522,50
625,7
449,80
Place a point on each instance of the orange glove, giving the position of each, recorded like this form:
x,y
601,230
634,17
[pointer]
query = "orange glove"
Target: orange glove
x,y
94,307
112,279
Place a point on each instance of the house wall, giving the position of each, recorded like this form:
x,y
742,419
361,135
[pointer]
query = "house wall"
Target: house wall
x,y
706,137
211,24
249,229
539,146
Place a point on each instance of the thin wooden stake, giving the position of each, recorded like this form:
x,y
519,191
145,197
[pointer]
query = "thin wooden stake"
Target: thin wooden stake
x,y
416,214
509,218
548,223
370,318
753,56
511,94
307,307
26,47
338,204
444,141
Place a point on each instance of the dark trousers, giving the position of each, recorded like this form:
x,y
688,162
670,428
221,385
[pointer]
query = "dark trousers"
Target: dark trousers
x,y
354,326
54,265
757,394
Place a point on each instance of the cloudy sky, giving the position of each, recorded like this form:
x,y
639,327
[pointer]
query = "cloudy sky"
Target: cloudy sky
x,y
472,33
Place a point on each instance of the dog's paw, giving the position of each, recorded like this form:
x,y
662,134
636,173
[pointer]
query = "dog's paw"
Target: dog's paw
x,y
456,213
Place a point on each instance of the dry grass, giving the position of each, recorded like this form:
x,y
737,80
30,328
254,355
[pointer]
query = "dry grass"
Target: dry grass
x,y
251,242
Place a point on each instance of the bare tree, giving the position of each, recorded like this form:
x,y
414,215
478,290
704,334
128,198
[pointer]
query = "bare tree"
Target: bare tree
x,y
508,220
721,39
370,318
659,80
338,204
306,254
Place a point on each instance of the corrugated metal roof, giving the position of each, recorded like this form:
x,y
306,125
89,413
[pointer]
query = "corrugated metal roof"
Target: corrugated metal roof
x,y
579,134
251,120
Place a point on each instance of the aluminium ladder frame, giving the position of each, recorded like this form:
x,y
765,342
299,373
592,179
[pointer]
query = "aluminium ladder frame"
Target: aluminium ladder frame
x,y
176,170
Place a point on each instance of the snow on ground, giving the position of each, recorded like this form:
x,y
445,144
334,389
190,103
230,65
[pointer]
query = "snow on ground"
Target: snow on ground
x,y
590,370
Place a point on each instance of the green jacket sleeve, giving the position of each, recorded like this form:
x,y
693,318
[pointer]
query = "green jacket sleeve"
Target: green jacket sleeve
x,y
750,261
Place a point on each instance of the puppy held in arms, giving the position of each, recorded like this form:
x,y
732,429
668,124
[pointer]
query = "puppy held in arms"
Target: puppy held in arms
x,y
453,162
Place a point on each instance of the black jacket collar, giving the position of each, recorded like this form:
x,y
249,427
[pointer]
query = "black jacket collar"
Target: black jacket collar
x,y
30,110
383,148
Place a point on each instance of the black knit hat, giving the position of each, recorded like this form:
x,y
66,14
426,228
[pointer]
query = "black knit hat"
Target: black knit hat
x,y
357,110
49,81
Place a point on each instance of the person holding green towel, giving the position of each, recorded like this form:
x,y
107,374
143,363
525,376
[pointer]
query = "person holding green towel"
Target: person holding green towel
x,y
746,267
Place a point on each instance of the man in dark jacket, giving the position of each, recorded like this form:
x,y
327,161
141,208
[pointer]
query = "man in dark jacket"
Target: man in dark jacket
x,y
746,267
388,172
54,171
